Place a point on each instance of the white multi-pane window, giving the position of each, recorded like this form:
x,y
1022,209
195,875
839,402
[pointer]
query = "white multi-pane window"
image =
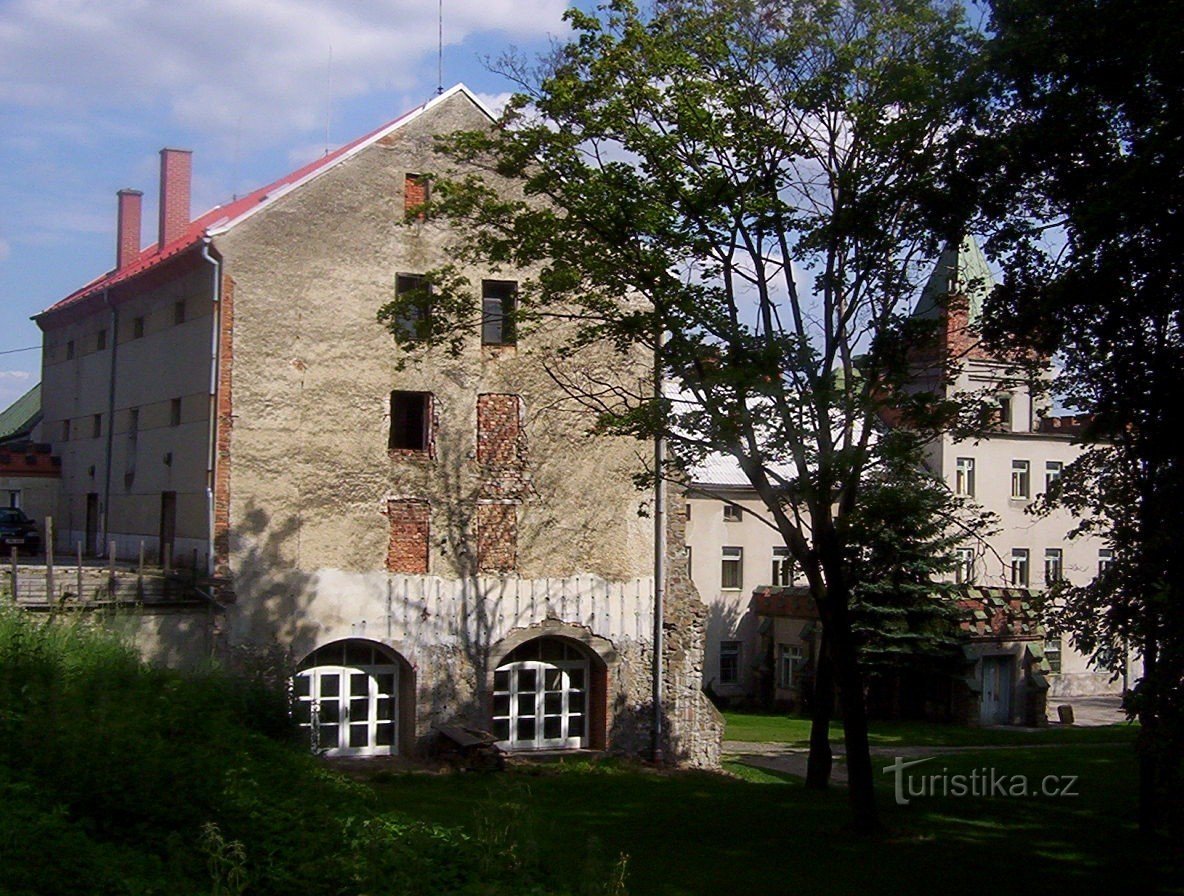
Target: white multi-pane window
x,y
1021,478
1054,565
729,662
732,569
346,697
789,661
964,571
782,567
540,697
732,513
964,477
1019,567
1052,472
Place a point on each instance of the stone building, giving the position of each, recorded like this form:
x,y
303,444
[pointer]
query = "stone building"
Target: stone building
x,y
753,651
417,541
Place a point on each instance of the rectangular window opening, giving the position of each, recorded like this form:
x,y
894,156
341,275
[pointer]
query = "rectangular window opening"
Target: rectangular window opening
x,y
1019,567
1054,565
498,303
410,421
964,571
782,567
100,340
729,662
732,513
964,477
1020,479
96,426
179,312
732,569
175,412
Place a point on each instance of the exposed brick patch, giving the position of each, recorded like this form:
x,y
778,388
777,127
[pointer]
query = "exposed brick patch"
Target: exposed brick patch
x,y
501,446
415,193
225,423
409,533
497,537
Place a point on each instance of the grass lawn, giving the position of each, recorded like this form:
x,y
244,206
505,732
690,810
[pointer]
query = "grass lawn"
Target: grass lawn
x,y
766,728
764,833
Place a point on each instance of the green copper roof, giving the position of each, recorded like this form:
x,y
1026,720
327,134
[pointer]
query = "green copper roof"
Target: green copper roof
x,y
960,270
22,415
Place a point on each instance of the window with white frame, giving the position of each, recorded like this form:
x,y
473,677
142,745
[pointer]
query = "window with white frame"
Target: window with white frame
x,y
789,661
1054,565
964,571
782,567
729,662
732,569
1021,473
732,513
964,477
1019,567
1052,472
1052,653
1105,558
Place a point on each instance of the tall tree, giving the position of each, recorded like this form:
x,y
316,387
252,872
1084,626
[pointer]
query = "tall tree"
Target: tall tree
x,y
737,188
1085,116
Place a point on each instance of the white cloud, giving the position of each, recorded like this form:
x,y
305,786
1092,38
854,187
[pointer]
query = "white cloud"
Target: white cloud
x,y
495,101
221,65
14,375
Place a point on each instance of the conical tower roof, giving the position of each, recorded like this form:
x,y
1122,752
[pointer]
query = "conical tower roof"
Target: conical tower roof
x,y
961,270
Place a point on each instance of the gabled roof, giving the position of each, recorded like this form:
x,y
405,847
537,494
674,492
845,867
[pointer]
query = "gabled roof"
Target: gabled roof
x,y
960,270
19,418
222,218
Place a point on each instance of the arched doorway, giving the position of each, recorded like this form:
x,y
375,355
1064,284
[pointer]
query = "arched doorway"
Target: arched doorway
x,y
542,696
346,697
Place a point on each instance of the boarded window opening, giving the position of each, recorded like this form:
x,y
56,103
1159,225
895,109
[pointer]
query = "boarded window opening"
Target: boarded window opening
x,y
415,193
409,532
410,421
497,537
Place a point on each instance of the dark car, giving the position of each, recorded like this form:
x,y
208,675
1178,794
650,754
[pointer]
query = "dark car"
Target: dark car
x,y
17,530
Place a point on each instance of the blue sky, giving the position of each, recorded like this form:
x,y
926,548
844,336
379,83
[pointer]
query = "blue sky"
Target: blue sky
x,y
90,92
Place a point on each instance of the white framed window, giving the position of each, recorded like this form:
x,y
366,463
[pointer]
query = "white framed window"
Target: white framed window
x,y
1052,472
729,662
732,569
1021,479
540,697
964,571
345,699
498,301
732,513
1052,653
690,565
1105,558
1054,565
1019,567
964,477
782,567
789,661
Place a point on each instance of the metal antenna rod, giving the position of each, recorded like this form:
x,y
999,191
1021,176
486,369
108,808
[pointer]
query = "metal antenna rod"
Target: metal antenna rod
x,y
439,47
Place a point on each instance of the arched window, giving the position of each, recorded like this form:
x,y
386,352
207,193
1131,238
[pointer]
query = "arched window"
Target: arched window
x,y
540,696
345,699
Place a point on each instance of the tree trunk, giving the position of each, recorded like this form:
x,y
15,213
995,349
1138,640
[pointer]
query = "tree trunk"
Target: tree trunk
x,y
861,793
821,759
1148,743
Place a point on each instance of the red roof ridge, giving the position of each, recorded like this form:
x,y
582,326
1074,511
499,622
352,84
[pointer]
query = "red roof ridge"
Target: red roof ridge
x,y
221,218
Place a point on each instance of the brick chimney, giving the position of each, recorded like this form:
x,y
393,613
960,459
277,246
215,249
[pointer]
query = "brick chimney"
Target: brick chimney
x,y
127,231
176,168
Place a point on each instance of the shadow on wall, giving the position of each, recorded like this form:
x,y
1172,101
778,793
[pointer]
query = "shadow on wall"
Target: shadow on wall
x,y
727,622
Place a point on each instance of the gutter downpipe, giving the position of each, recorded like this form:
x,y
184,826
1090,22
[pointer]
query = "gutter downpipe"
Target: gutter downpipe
x,y
102,551
659,561
215,360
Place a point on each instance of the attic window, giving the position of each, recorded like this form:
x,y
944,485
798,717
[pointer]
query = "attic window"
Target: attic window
x,y
179,312
410,421
100,340
415,193
70,350
137,327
